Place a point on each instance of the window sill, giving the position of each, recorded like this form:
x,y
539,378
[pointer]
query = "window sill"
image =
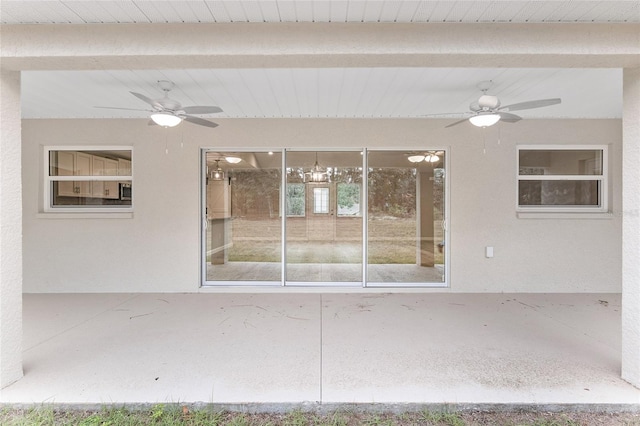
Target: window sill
x,y
564,215
85,215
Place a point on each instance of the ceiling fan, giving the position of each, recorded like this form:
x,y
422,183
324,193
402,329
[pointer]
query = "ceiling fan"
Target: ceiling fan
x,y
167,112
486,111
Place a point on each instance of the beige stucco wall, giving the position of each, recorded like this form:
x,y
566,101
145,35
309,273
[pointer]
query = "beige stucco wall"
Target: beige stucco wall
x,y
158,248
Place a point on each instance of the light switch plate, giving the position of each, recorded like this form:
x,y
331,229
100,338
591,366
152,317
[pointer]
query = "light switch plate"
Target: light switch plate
x,y
488,251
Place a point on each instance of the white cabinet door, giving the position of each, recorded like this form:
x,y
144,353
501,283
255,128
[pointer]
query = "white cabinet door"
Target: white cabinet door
x,y
66,163
84,167
124,167
71,163
111,187
99,167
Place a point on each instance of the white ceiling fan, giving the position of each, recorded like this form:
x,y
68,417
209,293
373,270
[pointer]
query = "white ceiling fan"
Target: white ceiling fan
x,y
486,111
168,112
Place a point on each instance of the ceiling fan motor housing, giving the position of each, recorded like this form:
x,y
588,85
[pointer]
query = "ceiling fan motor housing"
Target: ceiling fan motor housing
x,y
488,102
169,104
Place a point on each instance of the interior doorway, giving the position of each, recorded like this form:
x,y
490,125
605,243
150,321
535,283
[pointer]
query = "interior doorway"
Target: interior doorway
x,y
307,218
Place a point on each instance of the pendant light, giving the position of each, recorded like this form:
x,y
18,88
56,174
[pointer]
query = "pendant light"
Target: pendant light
x,y
317,174
217,173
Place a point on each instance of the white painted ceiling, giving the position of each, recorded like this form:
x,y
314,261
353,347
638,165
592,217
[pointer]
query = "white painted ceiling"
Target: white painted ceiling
x,y
322,92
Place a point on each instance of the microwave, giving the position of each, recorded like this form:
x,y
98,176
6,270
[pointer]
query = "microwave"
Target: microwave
x,y
125,191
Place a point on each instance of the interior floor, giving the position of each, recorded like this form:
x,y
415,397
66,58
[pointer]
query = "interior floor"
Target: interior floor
x,y
328,348
325,272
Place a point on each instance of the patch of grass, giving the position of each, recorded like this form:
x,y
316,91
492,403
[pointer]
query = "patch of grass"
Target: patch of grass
x,y
335,419
172,415
296,418
443,418
238,420
377,420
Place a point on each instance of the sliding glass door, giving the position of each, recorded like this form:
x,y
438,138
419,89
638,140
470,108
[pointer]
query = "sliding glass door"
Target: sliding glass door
x,y
324,231
314,218
406,218
242,223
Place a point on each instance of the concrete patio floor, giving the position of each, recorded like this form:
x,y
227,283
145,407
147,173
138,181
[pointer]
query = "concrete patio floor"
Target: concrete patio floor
x,y
329,348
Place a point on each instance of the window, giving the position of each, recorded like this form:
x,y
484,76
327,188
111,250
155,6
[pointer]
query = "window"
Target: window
x,y
295,199
321,200
348,199
562,178
88,179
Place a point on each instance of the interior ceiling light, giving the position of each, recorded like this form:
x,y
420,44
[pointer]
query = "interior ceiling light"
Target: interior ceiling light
x,y
165,119
429,157
217,173
317,174
233,160
484,120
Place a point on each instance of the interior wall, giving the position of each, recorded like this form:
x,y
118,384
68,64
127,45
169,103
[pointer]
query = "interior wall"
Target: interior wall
x,y
157,249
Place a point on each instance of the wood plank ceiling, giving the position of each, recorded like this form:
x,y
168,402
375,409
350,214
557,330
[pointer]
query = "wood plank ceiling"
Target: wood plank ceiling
x,y
321,92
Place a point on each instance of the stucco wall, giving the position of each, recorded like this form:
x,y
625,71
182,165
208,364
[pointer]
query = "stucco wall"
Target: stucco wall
x,y
158,248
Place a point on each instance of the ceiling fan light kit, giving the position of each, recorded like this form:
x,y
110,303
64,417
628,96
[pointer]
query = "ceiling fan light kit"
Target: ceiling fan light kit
x,y
233,160
415,158
484,120
166,119
431,158
428,157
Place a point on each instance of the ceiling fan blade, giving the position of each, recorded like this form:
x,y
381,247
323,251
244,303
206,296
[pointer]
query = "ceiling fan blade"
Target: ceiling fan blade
x,y
202,109
146,99
456,123
531,104
200,121
509,118
126,109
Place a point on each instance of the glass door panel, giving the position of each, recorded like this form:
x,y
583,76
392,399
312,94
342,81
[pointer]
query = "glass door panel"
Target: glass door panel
x,y
406,218
243,237
324,217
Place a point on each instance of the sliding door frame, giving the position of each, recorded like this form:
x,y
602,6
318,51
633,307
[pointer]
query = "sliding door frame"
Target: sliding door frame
x,y
283,218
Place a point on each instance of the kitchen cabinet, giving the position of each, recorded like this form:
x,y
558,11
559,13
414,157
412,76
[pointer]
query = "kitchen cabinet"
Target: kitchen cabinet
x,y
124,167
71,163
104,167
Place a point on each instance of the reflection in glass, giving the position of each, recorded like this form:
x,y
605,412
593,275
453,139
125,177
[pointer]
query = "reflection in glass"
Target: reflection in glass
x,y
243,232
406,213
560,162
558,193
323,245
83,190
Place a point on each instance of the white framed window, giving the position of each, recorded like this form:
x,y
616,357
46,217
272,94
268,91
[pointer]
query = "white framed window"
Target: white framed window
x,y
349,199
295,199
562,178
88,179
